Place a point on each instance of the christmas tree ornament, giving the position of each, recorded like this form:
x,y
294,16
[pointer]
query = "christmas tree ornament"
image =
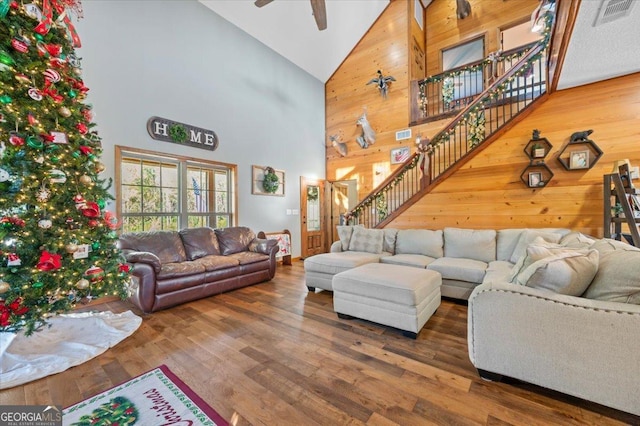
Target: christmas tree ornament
x,y
51,75
45,222
94,274
4,287
83,284
4,8
73,60
43,193
95,245
93,223
86,150
15,139
64,111
5,58
4,175
72,94
78,199
90,209
101,203
39,159
100,167
31,119
13,260
35,94
85,180
34,142
57,176
82,128
48,261
33,11
20,45
22,78
71,248
72,224
37,284
6,99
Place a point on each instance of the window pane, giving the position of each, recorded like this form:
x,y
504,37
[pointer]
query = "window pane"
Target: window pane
x,y
132,199
169,176
131,224
151,174
151,199
152,223
131,171
221,202
170,223
170,200
222,221
221,181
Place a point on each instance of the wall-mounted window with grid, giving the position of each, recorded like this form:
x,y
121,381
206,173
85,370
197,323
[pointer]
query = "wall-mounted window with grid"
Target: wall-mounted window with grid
x,y
164,192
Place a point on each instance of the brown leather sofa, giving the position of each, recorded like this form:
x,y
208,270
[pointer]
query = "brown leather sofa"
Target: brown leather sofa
x,y
174,267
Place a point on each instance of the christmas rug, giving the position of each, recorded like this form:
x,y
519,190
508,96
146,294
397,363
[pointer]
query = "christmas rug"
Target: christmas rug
x,y
157,397
69,340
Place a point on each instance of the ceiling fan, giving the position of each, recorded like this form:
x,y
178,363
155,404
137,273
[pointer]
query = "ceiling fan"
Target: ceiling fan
x,y
318,7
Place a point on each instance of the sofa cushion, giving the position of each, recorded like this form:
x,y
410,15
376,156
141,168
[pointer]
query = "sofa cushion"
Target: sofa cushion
x,y
576,240
566,272
389,242
344,234
527,236
199,242
452,268
180,269
234,240
419,241
498,271
247,257
537,250
366,240
415,260
167,245
470,244
215,262
618,277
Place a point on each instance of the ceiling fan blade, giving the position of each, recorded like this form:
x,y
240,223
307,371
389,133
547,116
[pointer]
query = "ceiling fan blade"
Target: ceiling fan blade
x,y
320,13
261,3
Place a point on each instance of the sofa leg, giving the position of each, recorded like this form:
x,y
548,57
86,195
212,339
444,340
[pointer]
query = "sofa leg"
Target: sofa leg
x,y
345,316
489,376
410,334
311,289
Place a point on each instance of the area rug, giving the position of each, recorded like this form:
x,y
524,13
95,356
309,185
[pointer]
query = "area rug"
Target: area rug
x,y
70,340
157,397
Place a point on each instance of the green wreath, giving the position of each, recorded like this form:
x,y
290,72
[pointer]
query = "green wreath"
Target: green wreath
x,y
178,133
312,193
271,181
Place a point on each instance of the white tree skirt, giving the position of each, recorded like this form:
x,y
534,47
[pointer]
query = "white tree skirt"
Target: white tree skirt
x,y
71,340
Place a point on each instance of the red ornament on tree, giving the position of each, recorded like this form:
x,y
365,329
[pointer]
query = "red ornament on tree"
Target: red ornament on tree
x,y
90,209
49,261
82,128
94,274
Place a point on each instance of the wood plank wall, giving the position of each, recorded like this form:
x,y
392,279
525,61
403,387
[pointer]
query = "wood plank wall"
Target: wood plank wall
x,y
487,192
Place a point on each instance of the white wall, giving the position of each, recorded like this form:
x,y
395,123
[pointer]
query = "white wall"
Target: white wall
x,y
179,60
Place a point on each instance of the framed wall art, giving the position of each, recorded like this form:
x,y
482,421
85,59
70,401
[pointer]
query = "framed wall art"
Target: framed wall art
x,y
400,155
265,180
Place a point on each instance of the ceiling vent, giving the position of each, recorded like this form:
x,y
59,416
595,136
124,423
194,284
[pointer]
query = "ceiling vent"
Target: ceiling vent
x,y
611,10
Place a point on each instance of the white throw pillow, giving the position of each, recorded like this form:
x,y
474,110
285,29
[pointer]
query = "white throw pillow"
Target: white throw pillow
x,y
367,240
527,238
538,249
576,240
389,244
569,272
618,277
344,233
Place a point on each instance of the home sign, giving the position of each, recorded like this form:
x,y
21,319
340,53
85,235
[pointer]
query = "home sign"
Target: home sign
x,y
184,134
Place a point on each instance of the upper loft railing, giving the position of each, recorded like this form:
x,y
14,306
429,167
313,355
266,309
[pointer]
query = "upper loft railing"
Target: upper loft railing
x,y
508,96
447,93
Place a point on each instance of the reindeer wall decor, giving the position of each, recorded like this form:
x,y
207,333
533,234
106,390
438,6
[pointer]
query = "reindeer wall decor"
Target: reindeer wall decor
x,y
463,8
340,147
368,135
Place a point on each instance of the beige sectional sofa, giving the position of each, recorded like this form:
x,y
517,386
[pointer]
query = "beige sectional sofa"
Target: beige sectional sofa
x,y
464,257
547,306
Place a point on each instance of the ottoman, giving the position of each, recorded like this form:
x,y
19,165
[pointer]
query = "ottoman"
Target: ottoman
x,y
398,296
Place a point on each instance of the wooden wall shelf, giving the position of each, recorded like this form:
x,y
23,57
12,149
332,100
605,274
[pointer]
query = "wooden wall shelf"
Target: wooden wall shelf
x,y
538,149
579,155
536,175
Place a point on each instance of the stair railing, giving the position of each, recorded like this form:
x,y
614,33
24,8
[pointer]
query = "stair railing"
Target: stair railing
x,y
447,93
482,117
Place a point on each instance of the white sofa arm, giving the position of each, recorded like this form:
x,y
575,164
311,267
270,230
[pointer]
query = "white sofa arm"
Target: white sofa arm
x,y
336,247
586,348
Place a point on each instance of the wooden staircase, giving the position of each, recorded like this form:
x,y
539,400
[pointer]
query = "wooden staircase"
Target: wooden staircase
x,y
480,121
616,193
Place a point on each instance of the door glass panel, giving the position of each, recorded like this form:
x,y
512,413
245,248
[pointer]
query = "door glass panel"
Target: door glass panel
x,y
313,208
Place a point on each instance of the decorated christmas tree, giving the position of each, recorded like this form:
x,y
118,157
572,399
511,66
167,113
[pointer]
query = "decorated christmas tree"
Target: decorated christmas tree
x,y
57,241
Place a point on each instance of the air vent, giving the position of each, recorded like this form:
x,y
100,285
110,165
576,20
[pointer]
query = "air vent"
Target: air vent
x,y
611,10
403,134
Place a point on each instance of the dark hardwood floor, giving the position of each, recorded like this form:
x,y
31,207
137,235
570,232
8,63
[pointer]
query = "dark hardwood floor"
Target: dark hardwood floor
x,y
274,354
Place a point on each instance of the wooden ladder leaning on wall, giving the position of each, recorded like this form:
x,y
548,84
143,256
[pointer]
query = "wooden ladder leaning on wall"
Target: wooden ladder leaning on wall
x,y
622,193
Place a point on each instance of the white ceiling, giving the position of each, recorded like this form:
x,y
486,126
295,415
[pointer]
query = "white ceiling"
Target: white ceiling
x,y
288,27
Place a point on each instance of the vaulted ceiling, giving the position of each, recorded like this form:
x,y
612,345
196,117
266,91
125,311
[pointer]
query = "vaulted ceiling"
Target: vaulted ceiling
x,y
595,52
